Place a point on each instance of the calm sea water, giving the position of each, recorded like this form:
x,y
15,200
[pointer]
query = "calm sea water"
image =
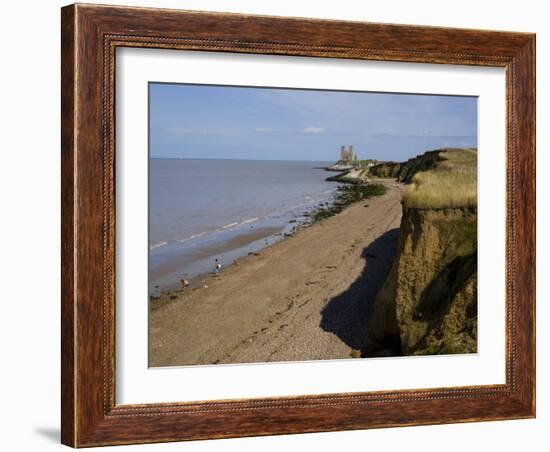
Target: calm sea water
x,y
200,210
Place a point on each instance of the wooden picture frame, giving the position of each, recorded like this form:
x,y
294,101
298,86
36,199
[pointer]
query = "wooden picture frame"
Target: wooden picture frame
x,y
90,36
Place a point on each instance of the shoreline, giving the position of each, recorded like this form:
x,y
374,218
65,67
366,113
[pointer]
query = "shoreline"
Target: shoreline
x,y
196,258
233,244
257,238
229,199
289,301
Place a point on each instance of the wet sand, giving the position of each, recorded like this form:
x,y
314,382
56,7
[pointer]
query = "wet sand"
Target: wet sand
x,y
304,298
214,249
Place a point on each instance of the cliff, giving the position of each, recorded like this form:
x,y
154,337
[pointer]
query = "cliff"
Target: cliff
x,y
405,171
339,167
352,172
353,176
428,303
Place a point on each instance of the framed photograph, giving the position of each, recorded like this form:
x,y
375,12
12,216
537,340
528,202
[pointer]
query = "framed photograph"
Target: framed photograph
x,y
281,225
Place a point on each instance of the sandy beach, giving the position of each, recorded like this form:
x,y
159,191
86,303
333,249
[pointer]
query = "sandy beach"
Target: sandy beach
x,y
304,298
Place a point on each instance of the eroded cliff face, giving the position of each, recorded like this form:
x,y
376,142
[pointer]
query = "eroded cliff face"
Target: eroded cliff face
x,y
404,171
428,303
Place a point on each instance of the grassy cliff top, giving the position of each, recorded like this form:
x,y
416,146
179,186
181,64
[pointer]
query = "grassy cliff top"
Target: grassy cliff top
x,y
450,182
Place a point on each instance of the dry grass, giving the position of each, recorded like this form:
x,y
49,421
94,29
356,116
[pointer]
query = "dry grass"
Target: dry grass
x,y
451,183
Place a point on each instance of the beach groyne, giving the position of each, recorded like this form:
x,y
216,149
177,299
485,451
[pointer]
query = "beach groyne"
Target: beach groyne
x,y
428,303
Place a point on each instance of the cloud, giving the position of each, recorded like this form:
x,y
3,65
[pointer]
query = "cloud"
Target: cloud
x,y
178,130
313,129
263,129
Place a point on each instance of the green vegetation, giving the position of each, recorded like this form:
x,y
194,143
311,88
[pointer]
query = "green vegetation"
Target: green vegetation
x,y
428,303
359,163
462,230
347,195
450,182
444,178
386,170
365,163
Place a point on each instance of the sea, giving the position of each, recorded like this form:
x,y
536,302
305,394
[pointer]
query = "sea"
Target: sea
x,y
203,210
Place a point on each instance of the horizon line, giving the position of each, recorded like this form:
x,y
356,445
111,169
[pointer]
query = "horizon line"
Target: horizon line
x,y
243,159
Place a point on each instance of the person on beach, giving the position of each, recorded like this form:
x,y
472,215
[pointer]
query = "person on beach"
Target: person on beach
x,y
217,266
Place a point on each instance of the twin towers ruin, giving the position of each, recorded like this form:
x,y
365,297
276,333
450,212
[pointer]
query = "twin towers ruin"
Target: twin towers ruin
x,y
347,155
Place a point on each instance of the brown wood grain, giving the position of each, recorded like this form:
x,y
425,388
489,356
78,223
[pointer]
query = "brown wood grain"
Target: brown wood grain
x,y
67,226
90,36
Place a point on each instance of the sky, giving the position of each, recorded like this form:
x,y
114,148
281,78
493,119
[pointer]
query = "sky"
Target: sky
x,y
202,121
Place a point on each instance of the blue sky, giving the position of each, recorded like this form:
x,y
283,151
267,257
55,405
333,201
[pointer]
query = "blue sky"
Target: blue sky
x,y
200,121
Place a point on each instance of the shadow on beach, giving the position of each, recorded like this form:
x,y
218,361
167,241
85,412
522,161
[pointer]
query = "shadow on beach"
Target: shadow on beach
x,y
347,314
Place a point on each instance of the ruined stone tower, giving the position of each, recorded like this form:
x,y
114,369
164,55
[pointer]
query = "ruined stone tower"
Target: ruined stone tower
x,y
347,155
